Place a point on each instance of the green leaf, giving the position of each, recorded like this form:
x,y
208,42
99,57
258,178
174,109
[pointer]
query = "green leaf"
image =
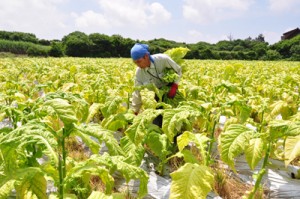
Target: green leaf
x,y
93,110
148,99
88,168
137,131
254,152
292,149
177,54
13,144
283,128
103,135
9,155
242,109
158,143
115,122
92,144
233,142
187,155
183,140
281,107
278,129
178,119
293,129
99,195
132,172
233,88
191,181
173,122
80,106
33,185
199,140
134,153
170,75
111,106
6,189
62,109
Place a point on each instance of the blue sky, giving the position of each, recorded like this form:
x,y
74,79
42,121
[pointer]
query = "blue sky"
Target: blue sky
x,y
187,21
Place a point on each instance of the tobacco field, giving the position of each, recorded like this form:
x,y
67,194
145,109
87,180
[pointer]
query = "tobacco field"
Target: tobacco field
x,y
58,113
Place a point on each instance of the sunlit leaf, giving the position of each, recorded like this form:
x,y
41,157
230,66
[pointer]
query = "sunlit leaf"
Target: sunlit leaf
x,y
292,149
233,142
254,152
191,181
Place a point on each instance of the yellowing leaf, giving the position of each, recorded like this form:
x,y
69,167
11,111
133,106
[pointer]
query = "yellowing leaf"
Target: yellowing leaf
x,y
199,140
292,149
232,142
32,186
137,131
93,110
254,152
62,109
99,195
191,181
6,189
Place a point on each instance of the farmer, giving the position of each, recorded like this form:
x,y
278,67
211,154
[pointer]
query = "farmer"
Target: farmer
x,y
151,70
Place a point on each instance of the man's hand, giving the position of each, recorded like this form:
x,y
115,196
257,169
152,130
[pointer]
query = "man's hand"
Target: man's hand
x,y
173,90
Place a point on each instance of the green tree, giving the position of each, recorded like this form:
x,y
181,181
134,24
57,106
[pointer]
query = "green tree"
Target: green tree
x,y
238,48
273,55
206,54
18,36
225,45
260,38
295,52
56,49
284,46
101,45
193,54
121,46
77,44
260,49
37,51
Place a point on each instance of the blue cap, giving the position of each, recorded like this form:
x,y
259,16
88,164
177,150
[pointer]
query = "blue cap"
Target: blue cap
x,y
139,50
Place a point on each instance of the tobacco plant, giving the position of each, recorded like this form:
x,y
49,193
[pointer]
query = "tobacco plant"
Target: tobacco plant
x,y
35,152
50,101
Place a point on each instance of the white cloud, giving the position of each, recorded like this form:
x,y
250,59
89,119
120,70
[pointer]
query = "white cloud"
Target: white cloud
x,y
145,19
284,6
207,11
124,13
158,14
90,19
195,36
26,16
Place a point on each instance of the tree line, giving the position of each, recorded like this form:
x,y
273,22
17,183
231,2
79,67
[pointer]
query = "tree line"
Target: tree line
x,y
79,44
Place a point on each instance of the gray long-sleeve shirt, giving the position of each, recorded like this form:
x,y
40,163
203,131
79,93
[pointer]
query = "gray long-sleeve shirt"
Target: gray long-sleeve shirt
x,y
153,74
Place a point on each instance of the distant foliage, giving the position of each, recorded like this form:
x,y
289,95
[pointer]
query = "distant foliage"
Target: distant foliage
x,y
22,48
288,48
79,44
56,50
18,36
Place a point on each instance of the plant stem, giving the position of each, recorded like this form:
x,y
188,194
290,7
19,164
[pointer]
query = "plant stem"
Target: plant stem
x,y
62,164
61,179
64,154
211,142
261,173
128,101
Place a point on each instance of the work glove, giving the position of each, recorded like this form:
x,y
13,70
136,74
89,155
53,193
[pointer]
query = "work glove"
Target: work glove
x,y
173,90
